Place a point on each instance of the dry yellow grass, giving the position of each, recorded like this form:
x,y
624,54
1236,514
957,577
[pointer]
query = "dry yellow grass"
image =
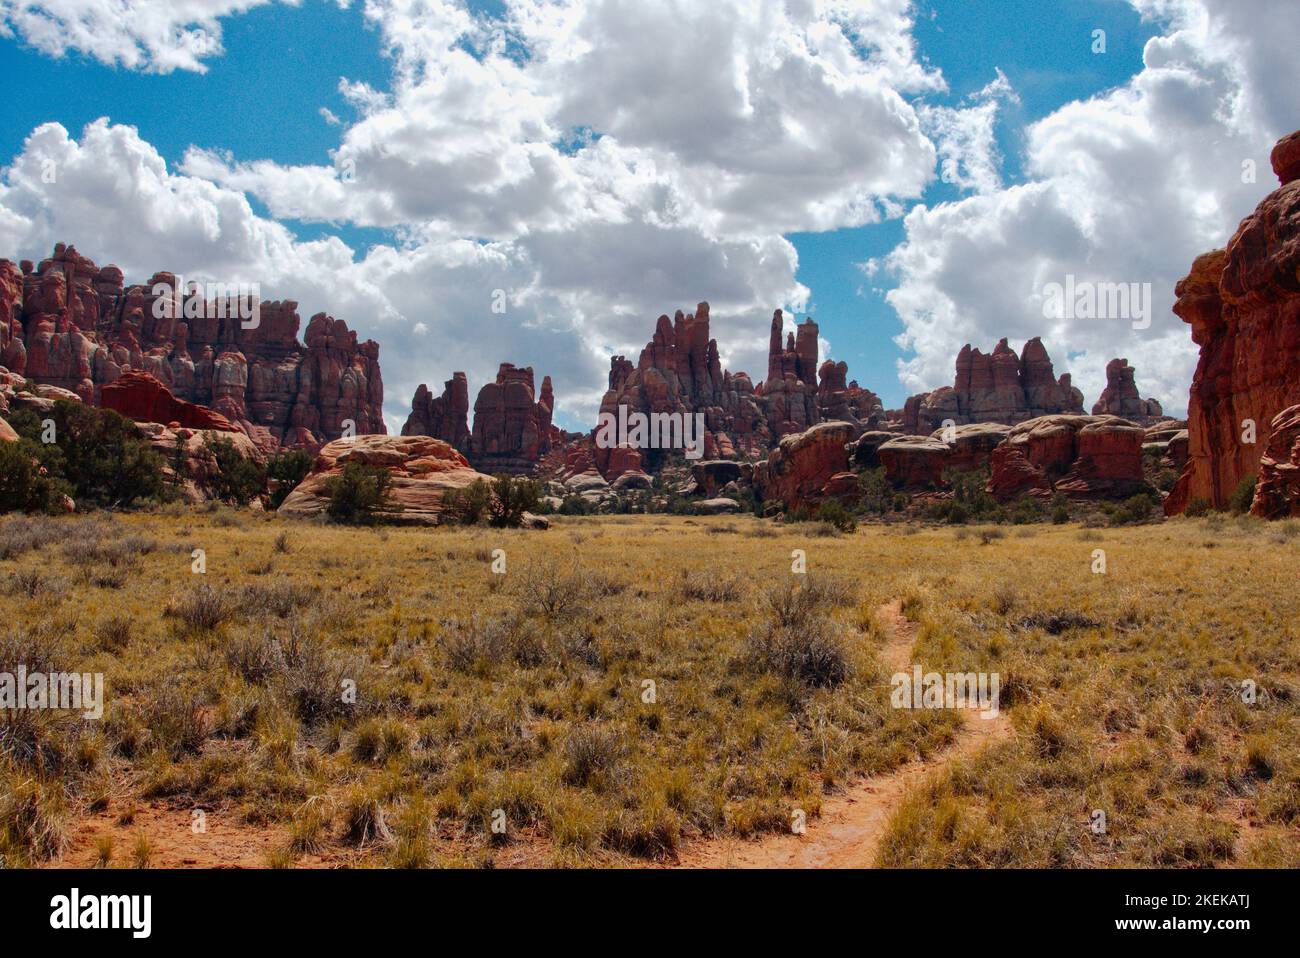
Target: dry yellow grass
x,y
520,700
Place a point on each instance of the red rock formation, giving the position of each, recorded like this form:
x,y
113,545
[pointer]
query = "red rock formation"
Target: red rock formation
x,y
188,448
143,398
1243,305
847,403
1084,457
800,467
444,417
1277,493
71,324
7,433
971,446
422,471
914,462
512,428
1000,387
1121,398
679,372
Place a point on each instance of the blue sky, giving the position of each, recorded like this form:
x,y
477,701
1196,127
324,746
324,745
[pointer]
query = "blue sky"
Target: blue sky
x,y
260,101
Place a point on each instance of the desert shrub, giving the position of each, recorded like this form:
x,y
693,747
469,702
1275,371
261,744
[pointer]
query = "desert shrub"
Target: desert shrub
x,y
311,678
832,511
1135,509
1198,506
556,592
20,534
202,609
285,471
238,480
511,498
33,821
711,588
874,493
97,452
1060,507
177,723
359,494
574,505
1241,498
1024,510
811,653
591,754
25,485
794,604
470,504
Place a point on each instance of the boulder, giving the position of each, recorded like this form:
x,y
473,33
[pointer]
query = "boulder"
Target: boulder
x,y
7,433
798,469
1084,457
914,462
587,482
1277,493
423,470
863,451
713,507
970,446
629,481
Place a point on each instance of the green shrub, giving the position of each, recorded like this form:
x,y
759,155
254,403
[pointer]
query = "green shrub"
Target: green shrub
x,y
1241,498
24,483
285,471
238,480
1198,506
359,494
97,452
833,512
511,498
470,504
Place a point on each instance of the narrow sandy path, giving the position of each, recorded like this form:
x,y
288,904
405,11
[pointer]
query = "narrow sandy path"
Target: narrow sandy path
x,y
852,824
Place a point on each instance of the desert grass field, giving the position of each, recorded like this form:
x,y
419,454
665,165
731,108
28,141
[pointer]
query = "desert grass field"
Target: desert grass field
x,y
647,691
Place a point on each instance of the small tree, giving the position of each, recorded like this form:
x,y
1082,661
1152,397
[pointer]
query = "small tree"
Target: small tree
x,y
239,480
285,471
1243,495
511,498
97,452
470,504
358,494
24,484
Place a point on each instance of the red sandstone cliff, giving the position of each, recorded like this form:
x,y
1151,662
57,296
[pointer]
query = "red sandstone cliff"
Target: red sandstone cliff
x,y
1243,305
68,323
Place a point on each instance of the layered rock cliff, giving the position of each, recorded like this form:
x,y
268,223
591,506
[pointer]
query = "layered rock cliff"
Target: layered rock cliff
x,y
1243,304
72,324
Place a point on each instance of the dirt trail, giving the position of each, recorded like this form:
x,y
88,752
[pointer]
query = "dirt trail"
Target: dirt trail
x,y
852,824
